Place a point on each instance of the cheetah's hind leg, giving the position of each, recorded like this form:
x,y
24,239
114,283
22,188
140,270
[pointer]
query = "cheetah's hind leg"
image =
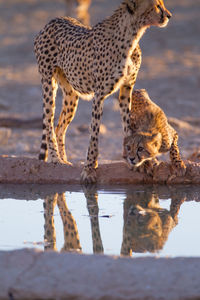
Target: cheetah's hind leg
x,y
49,147
69,106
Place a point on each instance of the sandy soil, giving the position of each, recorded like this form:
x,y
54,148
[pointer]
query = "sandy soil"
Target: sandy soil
x,y
169,72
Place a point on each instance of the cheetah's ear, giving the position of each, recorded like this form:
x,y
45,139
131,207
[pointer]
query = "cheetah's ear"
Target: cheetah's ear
x,y
131,6
135,122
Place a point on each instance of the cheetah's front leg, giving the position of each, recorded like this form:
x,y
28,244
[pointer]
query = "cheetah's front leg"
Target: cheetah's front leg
x,y
126,90
124,104
88,174
178,166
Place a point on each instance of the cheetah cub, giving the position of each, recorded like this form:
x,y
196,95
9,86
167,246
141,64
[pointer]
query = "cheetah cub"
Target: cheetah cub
x,y
151,136
91,62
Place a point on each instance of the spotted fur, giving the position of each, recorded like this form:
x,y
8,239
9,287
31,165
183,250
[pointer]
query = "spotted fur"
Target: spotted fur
x,y
151,136
91,63
147,225
70,231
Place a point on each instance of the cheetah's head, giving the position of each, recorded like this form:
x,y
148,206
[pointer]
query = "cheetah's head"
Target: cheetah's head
x,y
141,146
147,229
152,12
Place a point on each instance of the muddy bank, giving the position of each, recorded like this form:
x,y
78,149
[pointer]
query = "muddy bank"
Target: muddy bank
x,y
28,170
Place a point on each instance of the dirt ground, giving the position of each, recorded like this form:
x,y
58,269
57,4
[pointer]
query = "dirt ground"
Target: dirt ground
x,y
170,72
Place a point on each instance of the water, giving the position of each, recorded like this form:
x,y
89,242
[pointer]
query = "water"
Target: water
x,y
137,221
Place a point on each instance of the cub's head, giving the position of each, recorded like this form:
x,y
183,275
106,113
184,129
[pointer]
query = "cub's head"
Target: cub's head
x,y
152,12
141,147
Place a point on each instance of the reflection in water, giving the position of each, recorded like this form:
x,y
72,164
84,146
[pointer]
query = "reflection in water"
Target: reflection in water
x,y
146,224
71,236
93,209
49,227
81,10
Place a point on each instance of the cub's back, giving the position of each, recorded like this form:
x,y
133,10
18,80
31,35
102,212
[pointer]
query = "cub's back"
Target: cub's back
x,y
146,116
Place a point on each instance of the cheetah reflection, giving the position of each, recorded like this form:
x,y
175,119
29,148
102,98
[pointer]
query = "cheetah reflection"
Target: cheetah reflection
x,y
91,196
81,10
70,231
71,236
146,224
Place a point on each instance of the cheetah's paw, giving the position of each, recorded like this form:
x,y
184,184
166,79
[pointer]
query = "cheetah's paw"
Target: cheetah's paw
x,y
177,170
58,160
66,162
55,160
148,167
88,175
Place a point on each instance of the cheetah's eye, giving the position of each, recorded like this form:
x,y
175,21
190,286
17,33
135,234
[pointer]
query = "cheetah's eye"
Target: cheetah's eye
x,y
140,149
156,226
128,148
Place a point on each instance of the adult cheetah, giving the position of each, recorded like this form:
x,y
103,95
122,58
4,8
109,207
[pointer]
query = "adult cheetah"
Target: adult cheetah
x,y
91,63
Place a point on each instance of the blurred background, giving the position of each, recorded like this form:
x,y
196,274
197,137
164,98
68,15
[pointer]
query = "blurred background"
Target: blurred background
x,y
170,72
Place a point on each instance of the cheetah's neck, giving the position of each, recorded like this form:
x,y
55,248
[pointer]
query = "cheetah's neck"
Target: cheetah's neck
x,y
124,29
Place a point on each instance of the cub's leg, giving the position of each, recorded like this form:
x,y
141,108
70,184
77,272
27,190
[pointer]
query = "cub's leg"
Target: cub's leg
x,y
178,165
69,106
49,147
148,166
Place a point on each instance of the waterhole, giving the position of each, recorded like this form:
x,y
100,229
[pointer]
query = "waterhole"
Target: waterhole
x,y
129,220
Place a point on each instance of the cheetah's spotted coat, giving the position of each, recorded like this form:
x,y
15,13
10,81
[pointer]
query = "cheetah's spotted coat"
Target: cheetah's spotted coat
x,y
91,62
151,136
